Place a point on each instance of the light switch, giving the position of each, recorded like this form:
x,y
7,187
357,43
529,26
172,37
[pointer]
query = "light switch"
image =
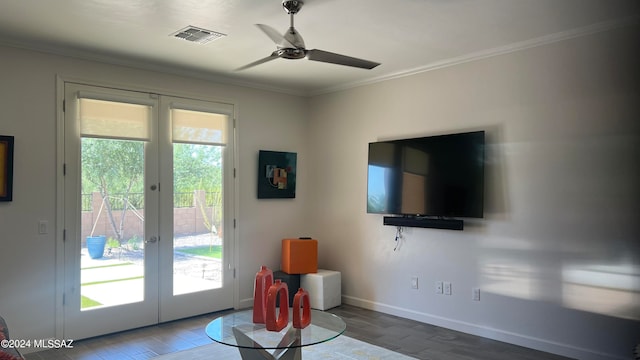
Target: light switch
x,y
43,227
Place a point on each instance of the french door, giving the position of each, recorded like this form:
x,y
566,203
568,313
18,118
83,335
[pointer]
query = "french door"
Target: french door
x,y
148,209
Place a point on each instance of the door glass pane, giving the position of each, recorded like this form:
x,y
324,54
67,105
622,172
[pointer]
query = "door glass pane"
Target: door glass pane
x,y
197,217
112,222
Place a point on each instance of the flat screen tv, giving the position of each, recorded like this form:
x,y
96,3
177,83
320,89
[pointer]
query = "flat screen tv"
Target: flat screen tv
x,y
435,176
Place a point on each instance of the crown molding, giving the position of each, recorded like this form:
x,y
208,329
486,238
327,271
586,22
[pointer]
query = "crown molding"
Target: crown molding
x,y
497,51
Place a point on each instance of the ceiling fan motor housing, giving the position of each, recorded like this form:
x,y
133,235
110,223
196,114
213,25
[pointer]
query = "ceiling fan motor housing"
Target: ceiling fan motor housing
x,y
291,54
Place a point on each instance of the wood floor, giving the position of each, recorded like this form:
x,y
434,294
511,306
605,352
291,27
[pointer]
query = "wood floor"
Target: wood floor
x,y
409,337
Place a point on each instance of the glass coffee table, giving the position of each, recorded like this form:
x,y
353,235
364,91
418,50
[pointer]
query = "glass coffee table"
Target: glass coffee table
x,y
254,340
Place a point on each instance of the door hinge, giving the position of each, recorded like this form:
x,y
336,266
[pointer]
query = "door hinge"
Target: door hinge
x,y
64,234
234,173
64,299
234,273
234,223
64,105
64,169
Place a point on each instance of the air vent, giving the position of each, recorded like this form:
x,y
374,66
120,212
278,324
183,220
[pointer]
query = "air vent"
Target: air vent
x,y
197,35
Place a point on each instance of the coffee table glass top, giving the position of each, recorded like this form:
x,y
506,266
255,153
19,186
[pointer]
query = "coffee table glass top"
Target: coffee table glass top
x,y
324,327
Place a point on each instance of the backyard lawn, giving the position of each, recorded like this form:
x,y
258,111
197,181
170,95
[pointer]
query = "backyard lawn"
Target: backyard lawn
x,y
213,251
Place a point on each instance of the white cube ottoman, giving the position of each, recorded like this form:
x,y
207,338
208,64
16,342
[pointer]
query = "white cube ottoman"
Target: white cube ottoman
x,y
324,288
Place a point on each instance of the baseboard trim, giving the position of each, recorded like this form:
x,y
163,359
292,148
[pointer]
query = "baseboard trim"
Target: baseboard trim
x,y
484,331
245,303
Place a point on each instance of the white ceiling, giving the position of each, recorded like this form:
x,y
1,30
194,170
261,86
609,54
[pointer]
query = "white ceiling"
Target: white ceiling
x,y
406,36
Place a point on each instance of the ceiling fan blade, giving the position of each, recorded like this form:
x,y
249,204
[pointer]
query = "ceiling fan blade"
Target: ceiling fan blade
x,y
274,35
258,62
329,57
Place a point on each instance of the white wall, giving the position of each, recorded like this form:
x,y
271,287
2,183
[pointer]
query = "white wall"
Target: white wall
x,y
557,255
266,120
561,197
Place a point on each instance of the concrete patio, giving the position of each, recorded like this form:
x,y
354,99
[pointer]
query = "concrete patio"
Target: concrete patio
x,y
116,278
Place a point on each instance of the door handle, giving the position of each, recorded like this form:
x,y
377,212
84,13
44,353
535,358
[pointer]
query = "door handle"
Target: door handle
x,y
151,240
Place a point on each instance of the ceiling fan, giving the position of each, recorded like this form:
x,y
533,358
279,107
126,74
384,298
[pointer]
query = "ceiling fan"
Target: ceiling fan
x,y
291,46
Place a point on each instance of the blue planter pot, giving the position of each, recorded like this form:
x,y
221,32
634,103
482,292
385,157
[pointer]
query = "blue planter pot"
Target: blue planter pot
x,y
95,246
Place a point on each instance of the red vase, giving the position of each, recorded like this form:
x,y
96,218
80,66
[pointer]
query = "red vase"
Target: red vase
x,y
264,280
272,322
301,298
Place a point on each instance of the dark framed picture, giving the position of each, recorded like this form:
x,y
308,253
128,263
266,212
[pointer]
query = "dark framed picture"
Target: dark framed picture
x,y
6,168
276,174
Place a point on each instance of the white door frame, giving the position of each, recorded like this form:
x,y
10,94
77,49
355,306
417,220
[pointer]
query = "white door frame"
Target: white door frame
x,y
231,194
88,323
199,302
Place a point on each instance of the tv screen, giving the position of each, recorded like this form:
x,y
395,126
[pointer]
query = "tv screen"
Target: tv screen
x,y
440,176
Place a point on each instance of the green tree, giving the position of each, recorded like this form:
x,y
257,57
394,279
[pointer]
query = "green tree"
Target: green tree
x,y
199,167
113,167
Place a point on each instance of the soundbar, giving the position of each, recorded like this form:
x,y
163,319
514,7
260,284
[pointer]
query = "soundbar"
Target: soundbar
x,y
447,224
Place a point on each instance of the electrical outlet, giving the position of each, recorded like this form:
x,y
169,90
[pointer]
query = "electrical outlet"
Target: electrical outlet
x,y
447,288
475,294
438,287
414,282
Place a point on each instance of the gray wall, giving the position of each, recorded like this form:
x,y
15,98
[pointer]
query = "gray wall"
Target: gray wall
x,y
557,256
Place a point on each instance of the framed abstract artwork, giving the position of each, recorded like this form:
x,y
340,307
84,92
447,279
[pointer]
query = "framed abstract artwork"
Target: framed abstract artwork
x,y
276,174
6,168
